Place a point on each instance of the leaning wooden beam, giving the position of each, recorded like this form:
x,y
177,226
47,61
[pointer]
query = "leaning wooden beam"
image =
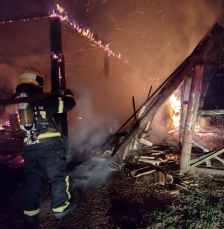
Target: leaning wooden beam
x,y
25,17
204,158
191,118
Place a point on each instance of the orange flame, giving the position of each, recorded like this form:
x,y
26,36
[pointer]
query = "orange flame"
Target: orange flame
x,y
175,104
86,32
60,9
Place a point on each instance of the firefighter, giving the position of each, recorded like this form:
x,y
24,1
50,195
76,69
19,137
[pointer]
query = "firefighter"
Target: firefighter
x,y
44,150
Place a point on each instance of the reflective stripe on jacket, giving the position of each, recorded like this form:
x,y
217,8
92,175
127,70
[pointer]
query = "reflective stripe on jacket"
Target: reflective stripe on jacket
x,y
46,135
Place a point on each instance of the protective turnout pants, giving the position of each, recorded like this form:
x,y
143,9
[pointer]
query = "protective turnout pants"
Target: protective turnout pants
x,y
46,158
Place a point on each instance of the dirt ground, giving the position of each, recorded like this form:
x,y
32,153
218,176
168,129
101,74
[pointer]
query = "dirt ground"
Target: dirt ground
x,y
120,201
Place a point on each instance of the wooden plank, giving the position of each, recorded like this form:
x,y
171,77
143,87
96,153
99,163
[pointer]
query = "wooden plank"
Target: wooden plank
x,y
210,112
200,158
208,163
208,170
207,158
219,159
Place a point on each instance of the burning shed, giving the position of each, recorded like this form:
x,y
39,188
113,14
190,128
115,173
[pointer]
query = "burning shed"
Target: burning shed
x,y
200,77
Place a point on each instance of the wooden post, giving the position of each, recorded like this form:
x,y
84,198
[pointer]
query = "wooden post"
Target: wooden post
x,y
185,91
58,69
56,52
191,118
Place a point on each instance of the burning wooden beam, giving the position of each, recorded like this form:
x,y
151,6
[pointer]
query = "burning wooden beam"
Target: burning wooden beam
x,y
25,17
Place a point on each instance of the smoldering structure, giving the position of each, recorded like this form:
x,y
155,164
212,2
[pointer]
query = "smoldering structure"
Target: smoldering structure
x,y
134,152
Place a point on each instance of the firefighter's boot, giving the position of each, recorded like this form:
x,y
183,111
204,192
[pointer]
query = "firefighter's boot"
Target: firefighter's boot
x,y
69,209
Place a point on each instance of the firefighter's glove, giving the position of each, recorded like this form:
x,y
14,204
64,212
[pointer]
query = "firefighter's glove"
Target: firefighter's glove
x,y
65,93
68,92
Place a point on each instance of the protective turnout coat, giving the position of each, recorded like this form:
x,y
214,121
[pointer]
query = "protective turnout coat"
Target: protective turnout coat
x,y
44,151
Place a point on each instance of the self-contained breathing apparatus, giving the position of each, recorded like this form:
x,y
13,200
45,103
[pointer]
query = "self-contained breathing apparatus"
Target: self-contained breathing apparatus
x,y
31,120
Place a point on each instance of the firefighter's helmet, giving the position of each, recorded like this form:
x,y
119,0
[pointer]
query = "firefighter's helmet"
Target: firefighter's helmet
x,y
32,76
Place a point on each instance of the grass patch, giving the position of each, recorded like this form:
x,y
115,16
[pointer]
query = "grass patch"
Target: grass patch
x,y
194,208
